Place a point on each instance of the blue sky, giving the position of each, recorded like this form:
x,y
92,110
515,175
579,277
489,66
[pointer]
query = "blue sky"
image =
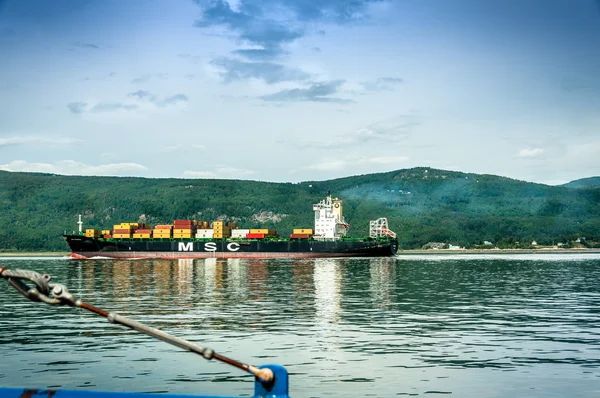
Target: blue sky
x,y
282,90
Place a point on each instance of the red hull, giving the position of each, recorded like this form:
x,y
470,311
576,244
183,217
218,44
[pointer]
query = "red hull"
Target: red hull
x,y
173,255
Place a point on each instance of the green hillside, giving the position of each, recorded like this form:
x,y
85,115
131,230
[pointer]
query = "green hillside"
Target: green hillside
x,y
421,205
589,182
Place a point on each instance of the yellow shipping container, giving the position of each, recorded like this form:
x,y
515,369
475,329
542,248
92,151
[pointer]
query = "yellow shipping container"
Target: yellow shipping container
x,y
263,231
182,231
106,232
142,236
163,236
218,224
122,236
308,231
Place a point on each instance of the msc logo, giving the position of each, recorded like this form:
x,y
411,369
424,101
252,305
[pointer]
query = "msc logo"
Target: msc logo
x,y
208,247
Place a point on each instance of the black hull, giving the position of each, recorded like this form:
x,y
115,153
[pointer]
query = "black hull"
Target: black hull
x,y
83,247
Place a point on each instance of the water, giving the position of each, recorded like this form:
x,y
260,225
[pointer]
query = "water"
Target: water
x,y
470,326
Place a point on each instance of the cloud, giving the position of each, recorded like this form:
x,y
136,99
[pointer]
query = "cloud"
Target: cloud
x,y
250,24
318,92
71,167
77,107
260,54
37,140
86,45
530,153
174,148
390,131
219,172
271,24
382,84
145,78
141,97
349,162
234,70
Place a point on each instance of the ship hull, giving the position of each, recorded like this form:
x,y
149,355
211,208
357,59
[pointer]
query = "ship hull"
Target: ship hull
x,y
83,247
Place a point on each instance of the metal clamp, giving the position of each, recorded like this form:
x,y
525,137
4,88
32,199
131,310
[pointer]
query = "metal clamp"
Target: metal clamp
x,y
44,291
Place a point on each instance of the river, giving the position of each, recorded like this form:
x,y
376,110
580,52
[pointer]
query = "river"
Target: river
x,y
416,325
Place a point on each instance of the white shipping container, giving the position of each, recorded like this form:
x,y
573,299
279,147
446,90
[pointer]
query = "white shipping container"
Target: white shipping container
x,y
239,233
205,233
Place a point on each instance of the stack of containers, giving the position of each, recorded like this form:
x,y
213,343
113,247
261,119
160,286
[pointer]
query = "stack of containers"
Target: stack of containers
x,y
302,233
124,230
142,233
106,233
183,229
221,230
162,232
239,233
92,233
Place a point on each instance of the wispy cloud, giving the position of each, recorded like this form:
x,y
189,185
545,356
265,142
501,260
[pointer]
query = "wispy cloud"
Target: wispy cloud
x,y
37,140
136,99
530,153
145,78
318,92
382,84
174,148
341,164
388,131
87,45
233,70
219,172
71,167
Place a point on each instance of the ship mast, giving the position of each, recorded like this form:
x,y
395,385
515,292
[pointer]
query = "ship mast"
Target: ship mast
x,y
80,223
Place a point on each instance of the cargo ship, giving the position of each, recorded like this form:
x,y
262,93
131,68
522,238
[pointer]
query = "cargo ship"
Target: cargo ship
x,y
220,239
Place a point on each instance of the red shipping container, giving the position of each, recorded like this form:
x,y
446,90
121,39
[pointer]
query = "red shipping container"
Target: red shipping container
x,y
107,236
122,231
300,236
163,227
143,231
255,236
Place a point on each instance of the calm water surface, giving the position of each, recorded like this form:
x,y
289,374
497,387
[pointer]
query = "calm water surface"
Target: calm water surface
x,y
469,326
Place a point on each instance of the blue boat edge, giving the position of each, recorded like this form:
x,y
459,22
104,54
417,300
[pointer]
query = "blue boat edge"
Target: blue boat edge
x,y
279,388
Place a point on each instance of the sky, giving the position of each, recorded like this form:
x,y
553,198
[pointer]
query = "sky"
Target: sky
x,y
297,90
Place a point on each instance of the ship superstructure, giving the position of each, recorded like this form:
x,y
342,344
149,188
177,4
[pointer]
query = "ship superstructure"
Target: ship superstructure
x,y
329,221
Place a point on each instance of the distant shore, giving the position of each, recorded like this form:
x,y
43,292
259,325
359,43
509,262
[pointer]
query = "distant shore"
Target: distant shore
x,y
542,250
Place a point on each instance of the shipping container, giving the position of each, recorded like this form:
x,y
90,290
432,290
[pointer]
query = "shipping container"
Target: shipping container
x,y
106,232
143,231
255,236
239,233
122,236
122,231
218,224
141,236
182,236
163,236
183,230
303,231
205,234
106,236
262,231
182,222
300,236
163,227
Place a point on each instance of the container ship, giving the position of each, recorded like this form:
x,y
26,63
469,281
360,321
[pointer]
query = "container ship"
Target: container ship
x,y
220,239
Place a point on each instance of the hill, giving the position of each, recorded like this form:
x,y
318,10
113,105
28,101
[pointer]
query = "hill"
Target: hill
x,y
584,183
421,204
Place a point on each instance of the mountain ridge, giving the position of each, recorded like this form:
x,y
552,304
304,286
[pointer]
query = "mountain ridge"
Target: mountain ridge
x,y
422,204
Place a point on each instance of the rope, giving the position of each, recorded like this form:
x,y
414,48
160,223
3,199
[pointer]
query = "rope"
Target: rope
x,y
57,294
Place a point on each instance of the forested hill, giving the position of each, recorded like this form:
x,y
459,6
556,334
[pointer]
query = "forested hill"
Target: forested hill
x,y
584,183
421,204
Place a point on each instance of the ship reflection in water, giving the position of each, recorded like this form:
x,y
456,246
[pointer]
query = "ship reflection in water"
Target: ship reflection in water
x,y
342,327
